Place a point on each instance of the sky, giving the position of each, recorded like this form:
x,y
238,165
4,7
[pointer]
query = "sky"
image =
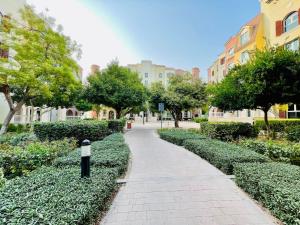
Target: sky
x,y
176,33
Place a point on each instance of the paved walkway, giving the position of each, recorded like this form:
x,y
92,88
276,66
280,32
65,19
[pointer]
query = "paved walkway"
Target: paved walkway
x,y
168,185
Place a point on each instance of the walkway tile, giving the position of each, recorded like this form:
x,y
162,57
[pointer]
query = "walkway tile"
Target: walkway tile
x,y
168,185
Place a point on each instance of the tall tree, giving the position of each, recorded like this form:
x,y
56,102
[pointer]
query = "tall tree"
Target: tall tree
x,y
40,68
116,87
182,93
271,77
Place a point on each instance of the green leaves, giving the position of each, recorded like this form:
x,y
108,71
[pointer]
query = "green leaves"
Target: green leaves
x,y
178,136
78,129
223,155
116,87
276,185
57,195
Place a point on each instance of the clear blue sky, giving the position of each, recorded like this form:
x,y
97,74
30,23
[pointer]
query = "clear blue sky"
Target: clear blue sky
x,y
179,33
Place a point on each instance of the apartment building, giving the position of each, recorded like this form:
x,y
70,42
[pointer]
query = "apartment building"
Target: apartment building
x,y
276,25
150,73
282,28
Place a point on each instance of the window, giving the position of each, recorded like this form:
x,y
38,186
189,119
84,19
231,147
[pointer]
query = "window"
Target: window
x,y
231,52
222,61
245,38
230,66
170,74
160,75
244,57
293,45
213,73
146,75
291,22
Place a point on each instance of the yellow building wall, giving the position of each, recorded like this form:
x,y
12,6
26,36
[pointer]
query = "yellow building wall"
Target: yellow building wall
x,y
275,11
258,43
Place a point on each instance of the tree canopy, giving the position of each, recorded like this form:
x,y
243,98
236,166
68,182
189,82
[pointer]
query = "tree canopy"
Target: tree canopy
x,y
182,93
271,77
116,87
40,67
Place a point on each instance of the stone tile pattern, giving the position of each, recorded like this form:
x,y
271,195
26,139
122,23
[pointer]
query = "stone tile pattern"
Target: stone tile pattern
x,y
168,185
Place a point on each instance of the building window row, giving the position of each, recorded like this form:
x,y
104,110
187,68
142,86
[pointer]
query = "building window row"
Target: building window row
x,y
289,23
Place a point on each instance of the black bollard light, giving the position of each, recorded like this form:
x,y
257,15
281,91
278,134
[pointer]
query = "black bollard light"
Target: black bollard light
x,y
85,158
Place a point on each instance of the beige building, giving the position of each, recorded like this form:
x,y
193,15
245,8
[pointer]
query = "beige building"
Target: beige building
x,y
150,73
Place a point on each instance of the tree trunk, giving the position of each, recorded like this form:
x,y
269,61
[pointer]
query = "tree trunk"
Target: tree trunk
x,y
118,113
266,121
9,116
176,123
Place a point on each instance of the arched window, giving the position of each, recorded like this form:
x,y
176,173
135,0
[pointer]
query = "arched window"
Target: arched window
x,y
291,21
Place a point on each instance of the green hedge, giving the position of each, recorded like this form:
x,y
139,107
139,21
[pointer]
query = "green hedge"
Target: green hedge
x,y
20,160
17,128
276,185
223,155
293,133
279,125
276,151
116,126
200,119
78,129
178,136
17,139
228,131
56,196
111,152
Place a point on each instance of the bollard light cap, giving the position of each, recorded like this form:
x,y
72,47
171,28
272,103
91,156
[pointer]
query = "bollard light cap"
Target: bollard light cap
x,y
85,143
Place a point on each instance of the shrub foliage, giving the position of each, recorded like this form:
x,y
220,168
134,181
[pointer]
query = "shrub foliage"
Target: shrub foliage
x,y
223,155
293,133
178,136
276,185
228,131
279,125
78,129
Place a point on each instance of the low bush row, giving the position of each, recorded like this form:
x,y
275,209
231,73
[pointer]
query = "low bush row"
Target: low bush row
x,y
293,133
200,119
21,159
276,185
78,129
178,136
277,125
287,152
111,152
228,131
17,139
223,155
17,128
92,130
56,196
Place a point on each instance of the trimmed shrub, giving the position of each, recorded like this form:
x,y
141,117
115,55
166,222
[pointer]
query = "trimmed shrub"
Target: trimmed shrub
x,y
111,152
200,119
17,128
276,151
56,196
2,179
223,155
228,131
277,125
20,160
178,136
78,129
116,126
293,133
18,139
276,185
